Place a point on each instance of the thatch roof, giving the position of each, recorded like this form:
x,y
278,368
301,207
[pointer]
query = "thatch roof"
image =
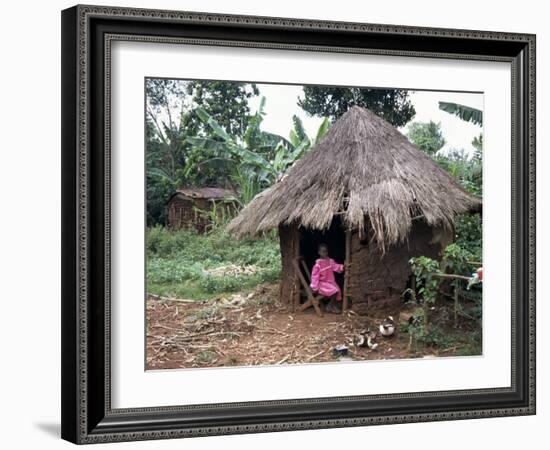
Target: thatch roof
x,y
364,167
206,193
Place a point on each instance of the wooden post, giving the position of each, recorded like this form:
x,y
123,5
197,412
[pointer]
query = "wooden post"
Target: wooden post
x,y
313,300
409,346
306,270
295,299
291,298
456,293
425,309
450,276
347,261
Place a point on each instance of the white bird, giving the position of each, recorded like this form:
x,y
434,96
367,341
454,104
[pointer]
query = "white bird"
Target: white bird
x,y
366,339
387,327
370,340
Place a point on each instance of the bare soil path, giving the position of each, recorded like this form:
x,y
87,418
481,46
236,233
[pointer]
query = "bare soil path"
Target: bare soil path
x,y
254,329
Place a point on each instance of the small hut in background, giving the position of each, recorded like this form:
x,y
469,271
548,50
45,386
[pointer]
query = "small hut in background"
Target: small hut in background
x,y
194,207
370,194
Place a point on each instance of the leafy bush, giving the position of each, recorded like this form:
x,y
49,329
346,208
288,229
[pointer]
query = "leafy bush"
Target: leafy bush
x,y
469,234
436,337
428,273
424,268
455,259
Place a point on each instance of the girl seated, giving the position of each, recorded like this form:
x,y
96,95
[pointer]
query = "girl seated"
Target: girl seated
x,y
322,279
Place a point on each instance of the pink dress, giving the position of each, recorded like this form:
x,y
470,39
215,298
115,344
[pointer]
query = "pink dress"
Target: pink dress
x,y
322,278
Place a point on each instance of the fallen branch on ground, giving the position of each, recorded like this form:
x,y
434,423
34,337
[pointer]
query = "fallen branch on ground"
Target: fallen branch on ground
x,y
206,333
283,360
316,355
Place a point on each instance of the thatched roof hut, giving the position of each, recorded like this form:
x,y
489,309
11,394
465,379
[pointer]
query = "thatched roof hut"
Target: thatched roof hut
x,y
364,167
369,178
191,207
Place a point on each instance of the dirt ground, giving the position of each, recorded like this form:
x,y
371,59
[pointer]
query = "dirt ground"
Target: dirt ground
x,y
254,329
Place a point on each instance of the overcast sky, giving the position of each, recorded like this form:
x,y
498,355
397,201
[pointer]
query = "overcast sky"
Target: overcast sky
x,y
281,105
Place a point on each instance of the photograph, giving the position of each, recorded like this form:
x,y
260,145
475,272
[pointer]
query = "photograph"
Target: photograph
x,y
282,222
302,224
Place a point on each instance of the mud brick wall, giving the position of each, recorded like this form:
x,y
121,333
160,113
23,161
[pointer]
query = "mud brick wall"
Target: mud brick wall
x,y
289,244
182,214
378,279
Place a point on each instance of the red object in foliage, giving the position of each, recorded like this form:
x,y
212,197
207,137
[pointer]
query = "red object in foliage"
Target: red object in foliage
x,y
480,273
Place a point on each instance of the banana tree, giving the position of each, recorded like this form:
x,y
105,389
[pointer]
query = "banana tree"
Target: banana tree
x,y
253,163
286,156
229,157
466,113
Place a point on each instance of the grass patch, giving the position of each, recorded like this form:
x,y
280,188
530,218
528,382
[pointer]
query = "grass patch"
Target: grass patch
x,y
445,339
178,262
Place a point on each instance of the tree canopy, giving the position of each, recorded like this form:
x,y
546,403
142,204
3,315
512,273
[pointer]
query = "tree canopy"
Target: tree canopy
x,y
171,118
392,105
226,102
427,136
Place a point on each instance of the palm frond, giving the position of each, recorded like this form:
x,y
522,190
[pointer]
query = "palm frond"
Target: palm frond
x,y
466,113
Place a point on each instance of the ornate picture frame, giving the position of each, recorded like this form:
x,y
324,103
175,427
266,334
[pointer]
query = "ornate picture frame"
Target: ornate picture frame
x,y
87,35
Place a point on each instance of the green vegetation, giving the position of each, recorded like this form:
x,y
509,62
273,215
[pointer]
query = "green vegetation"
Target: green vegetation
x,y
203,133
430,329
251,164
469,173
459,342
467,170
464,112
427,136
171,119
185,264
393,105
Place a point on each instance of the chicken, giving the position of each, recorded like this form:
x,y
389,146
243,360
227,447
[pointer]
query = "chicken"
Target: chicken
x,y
387,327
366,339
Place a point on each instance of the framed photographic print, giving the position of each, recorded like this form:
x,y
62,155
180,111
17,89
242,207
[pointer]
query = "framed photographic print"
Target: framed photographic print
x,y
280,224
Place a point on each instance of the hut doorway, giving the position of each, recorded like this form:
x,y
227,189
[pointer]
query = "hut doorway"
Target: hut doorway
x,y
334,237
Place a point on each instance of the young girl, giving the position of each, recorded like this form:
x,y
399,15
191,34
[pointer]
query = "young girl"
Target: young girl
x,y
322,278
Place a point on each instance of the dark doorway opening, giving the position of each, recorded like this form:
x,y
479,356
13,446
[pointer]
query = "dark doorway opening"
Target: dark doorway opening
x,y
334,238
